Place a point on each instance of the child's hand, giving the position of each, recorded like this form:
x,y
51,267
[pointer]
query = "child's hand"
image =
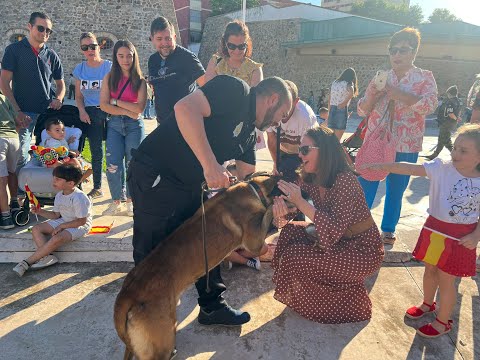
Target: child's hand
x,y
71,139
58,229
470,241
35,210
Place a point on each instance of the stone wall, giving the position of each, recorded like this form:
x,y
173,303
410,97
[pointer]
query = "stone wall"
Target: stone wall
x,y
115,19
314,72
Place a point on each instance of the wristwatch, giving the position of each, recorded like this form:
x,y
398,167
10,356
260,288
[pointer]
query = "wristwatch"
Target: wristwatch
x,y
114,102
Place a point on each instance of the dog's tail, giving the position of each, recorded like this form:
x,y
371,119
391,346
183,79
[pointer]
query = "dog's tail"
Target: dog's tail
x,y
122,307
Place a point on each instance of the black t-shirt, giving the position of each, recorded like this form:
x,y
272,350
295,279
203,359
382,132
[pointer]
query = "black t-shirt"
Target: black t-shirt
x,y
449,106
230,131
173,78
32,75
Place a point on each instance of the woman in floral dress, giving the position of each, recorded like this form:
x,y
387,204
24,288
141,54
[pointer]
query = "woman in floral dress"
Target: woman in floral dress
x,y
321,274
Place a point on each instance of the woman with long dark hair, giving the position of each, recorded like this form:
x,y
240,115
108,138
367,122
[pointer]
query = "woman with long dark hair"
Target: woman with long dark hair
x,y
343,89
123,96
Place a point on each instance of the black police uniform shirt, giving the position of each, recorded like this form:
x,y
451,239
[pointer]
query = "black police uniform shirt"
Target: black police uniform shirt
x,y
32,75
173,78
230,130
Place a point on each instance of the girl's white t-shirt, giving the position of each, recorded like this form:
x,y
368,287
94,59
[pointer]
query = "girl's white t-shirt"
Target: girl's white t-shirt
x,y
453,198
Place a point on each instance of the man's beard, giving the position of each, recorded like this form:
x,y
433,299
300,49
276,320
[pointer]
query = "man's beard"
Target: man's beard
x,y
268,118
166,51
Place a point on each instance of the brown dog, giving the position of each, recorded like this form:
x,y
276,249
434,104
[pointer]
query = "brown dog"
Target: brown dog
x,y
145,309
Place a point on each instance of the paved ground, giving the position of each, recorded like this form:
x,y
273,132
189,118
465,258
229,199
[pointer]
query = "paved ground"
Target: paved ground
x,y
65,312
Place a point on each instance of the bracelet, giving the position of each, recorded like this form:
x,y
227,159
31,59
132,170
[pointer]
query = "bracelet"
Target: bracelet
x,y
114,102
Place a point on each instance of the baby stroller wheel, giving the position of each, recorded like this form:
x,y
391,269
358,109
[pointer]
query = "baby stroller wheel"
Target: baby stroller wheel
x,y
21,218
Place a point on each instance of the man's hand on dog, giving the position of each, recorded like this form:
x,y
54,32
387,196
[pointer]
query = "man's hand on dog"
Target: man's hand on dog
x,y
217,177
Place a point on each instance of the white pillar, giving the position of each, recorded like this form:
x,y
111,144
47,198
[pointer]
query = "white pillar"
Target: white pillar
x,y
244,9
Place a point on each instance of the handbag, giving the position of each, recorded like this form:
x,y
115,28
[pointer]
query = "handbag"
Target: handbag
x,y
378,147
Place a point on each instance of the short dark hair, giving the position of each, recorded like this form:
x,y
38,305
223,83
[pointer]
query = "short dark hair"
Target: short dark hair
x,y
159,24
54,121
332,160
293,89
322,110
274,85
452,90
37,14
68,172
236,28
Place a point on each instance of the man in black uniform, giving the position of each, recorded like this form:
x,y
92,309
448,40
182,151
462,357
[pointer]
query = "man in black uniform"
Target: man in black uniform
x,y
173,70
213,124
447,121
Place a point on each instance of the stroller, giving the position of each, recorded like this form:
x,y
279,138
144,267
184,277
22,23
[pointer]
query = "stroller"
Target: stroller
x,y
38,178
355,141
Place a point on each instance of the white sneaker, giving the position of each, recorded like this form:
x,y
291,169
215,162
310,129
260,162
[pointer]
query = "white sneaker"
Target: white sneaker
x,y
21,267
130,208
48,260
254,263
113,209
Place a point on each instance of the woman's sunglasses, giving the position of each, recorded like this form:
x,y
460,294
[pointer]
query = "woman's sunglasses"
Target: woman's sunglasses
x,y
42,29
399,50
304,150
232,47
87,47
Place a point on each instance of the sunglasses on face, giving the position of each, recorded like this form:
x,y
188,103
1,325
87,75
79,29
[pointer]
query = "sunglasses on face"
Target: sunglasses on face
x,y
89,47
232,47
399,50
41,29
304,150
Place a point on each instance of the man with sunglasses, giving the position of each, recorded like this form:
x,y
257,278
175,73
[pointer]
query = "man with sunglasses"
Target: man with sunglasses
x,y
173,70
211,125
29,68
292,128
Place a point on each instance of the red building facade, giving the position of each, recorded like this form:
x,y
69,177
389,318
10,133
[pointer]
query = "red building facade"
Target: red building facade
x,y
191,16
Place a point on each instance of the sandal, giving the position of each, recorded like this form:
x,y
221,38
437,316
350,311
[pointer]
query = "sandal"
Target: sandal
x,y
430,332
416,312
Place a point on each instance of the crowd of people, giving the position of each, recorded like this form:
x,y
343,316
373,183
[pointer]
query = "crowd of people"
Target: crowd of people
x,y
209,118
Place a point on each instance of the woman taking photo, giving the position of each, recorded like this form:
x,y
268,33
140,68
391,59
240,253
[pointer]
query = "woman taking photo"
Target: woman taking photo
x,y
123,96
412,95
87,98
342,91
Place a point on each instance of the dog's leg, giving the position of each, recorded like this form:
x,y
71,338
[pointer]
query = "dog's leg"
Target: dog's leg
x,y
254,236
128,354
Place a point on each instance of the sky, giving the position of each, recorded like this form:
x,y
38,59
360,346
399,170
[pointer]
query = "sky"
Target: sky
x,y
467,10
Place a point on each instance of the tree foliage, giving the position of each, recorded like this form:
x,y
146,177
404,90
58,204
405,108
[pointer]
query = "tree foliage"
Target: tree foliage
x,y
388,11
442,15
226,6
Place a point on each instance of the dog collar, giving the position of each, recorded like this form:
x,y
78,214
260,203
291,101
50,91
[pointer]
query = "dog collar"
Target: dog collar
x,y
259,193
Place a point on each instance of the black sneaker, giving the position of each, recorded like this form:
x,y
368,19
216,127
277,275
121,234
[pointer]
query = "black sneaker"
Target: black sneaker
x,y
14,205
6,222
226,316
95,194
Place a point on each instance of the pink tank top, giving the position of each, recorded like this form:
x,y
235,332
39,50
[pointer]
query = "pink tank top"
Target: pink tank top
x,y
128,94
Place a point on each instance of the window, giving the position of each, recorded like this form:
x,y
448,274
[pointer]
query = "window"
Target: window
x,y
195,20
105,43
16,38
195,36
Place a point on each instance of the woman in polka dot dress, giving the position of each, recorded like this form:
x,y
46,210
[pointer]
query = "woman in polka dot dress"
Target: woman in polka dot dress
x,y
322,277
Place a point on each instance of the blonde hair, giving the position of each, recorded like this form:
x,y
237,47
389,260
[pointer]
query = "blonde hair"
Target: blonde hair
x,y
471,131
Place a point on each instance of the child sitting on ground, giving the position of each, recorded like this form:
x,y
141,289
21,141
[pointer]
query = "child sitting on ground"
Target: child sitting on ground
x,y
322,116
9,152
449,238
70,219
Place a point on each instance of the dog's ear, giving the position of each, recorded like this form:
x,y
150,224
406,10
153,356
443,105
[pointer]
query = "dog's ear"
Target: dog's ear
x,y
269,183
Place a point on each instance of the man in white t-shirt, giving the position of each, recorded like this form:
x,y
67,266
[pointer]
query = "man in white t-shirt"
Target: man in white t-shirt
x,y
292,128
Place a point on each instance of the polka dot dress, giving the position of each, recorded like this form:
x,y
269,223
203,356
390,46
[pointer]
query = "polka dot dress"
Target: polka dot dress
x,y
328,286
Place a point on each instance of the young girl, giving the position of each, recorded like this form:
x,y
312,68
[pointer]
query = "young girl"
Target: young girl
x,y
448,240
123,96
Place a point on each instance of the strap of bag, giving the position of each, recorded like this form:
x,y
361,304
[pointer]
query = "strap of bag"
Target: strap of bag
x,y
123,89
277,150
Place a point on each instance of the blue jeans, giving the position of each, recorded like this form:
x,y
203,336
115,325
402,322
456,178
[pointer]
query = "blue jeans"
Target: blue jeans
x,y
395,187
95,138
123,135
148,109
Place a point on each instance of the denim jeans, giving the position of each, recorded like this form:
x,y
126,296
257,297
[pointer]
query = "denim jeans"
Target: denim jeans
x,y
95,138
147,114
25,137
395,187
123,135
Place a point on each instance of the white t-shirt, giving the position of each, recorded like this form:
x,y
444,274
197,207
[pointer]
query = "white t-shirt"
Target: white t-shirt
x,y
453,198
74,206
54,143
338,92
303,118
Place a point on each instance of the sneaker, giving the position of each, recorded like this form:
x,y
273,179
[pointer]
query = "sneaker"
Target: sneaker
x,y
46,261
254,263
227,264
173,355
6,222
21,267
226,316
388,238
14,205
113,209
130,208
95,194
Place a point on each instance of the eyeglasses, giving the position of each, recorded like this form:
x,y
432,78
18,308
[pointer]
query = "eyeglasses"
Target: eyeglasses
x,y
42,29
87,47
232,47
304,150
399,50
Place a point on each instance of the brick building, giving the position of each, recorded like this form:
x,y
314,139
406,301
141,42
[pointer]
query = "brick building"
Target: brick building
x,y
191,16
